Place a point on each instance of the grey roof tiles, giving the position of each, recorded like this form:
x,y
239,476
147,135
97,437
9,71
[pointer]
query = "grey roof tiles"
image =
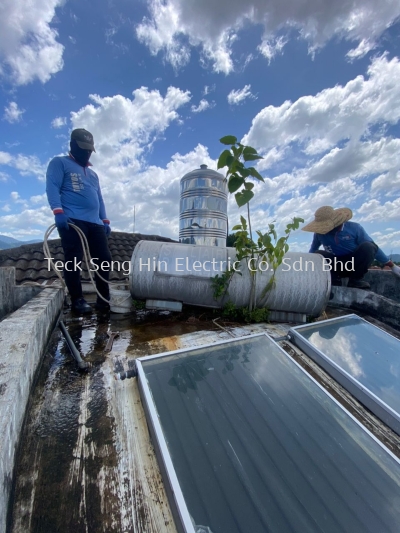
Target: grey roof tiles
x,y
30,263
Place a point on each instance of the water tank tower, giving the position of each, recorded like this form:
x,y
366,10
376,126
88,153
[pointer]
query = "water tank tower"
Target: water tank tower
x,y
203,217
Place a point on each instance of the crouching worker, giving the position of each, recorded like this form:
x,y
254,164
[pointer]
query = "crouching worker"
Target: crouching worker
x,y
74,195
348,249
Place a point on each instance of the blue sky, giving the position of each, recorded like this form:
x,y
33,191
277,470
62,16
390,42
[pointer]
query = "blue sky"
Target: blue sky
x,y
314,87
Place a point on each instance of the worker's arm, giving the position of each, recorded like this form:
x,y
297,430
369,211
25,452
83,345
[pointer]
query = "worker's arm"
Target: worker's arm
x,y
54,181
102,212
362,236
316,243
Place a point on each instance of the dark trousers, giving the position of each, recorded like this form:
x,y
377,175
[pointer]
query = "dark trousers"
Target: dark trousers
x,y
362,258
99,251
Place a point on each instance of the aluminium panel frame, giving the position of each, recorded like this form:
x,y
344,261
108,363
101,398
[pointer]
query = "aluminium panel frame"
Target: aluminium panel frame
x,y
183,520
370,400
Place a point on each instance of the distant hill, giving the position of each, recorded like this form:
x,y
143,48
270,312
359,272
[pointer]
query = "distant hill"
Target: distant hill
x,y
395,257
10,242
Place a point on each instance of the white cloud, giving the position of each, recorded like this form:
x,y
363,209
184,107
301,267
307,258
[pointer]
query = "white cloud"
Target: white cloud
x,y
203,105
39,199
6,208
28,46
387,183
389,239
175,25
374,211
270,158
235,97
27,165
23,222
4,177
13,113
271,48
357,160
117,119
208,89
333,115
59,122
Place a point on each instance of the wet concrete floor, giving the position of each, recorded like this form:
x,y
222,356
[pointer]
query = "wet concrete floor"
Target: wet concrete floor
x,y
69,473
75,470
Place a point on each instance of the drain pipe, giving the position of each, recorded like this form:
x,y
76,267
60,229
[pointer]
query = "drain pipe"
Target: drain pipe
x,y
131,373
82,365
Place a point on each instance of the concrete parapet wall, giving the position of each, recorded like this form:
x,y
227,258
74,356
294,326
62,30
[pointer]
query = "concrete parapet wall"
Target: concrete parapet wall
x,y
23,338
385,283
384,309
12,296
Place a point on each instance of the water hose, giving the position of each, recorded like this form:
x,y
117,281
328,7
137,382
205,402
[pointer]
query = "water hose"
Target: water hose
x,y
86,254
82,365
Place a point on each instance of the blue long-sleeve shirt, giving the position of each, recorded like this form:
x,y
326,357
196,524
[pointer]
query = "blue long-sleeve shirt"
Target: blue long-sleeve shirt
x,y
75,189
345,241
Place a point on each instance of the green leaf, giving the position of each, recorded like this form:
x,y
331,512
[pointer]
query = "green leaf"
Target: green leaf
x,y
237,227
248,186
249,150
251,157
237,152
266,239
245,172
224,158
228,139
243,221
234,183
255,174
243,197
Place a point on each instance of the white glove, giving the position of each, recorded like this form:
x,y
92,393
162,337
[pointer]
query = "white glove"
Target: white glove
x,y
396,270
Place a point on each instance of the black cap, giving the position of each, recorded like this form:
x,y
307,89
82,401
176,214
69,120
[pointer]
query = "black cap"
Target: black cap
x,y
83,138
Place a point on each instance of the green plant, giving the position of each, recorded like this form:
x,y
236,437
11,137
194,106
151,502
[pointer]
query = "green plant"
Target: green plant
x,y
220,283
244,314
268,248
231,240
139,304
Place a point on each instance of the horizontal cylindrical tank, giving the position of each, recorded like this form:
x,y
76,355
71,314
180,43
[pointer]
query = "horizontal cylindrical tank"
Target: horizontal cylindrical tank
x,y
169,271
203,209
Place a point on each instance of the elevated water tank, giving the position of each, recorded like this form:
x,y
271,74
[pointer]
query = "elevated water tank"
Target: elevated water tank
x,y
203,217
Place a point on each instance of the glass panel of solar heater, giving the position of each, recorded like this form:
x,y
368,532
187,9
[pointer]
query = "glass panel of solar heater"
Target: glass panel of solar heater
x,y
363,351
258,446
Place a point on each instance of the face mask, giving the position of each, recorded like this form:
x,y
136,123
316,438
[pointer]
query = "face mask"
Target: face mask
x,y
80,155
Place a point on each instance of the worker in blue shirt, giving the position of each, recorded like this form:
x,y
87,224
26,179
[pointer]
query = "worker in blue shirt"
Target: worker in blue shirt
x,y
74,194
348,250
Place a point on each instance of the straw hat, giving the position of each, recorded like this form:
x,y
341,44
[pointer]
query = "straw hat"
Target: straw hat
x,y
326,218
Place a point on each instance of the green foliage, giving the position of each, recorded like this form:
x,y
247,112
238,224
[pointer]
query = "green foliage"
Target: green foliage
x,y
267,247
230,240
243,314
237,173
220,283
139,304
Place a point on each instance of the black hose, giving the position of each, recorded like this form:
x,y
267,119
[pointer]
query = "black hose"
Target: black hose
x,y
82,365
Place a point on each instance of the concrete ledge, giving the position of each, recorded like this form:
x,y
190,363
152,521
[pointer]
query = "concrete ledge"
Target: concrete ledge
x,y
385,283
12,296
385,309
23,338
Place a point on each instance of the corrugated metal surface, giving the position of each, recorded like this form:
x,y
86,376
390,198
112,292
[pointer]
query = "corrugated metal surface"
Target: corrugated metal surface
x,y
258,446
183,272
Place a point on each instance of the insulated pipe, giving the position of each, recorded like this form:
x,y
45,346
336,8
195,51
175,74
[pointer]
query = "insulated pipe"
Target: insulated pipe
x,y
83,365
182,272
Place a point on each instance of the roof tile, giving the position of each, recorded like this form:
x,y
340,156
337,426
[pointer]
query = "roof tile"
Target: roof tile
x,y
31,265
